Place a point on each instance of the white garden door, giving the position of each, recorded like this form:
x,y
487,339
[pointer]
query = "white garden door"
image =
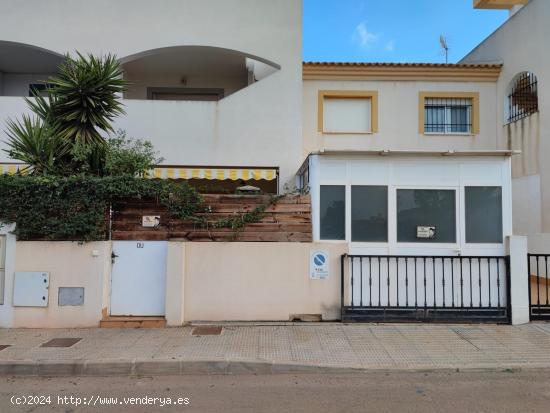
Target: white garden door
x,y
138,278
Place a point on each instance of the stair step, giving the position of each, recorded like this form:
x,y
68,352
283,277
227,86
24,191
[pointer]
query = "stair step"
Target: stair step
x,y
132,322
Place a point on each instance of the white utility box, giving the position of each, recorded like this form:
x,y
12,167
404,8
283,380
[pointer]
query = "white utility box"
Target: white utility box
x,y
30,289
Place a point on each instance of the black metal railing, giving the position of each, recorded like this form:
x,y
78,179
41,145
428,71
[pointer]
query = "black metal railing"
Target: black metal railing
x,y
523,100
448,115
425,288
539,304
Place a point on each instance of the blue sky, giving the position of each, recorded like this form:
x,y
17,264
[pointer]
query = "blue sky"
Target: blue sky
x,y
394,30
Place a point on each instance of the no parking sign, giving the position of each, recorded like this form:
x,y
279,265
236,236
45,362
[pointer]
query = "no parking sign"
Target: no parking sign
x,y
318,265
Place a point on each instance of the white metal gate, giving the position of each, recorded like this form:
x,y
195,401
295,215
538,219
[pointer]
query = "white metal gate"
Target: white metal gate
x,y
138,278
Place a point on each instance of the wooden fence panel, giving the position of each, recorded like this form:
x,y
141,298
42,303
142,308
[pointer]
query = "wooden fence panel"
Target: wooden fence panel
x,y
288,220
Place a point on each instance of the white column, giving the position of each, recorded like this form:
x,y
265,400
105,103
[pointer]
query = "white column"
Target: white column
x,y
6,308
519,279
175,278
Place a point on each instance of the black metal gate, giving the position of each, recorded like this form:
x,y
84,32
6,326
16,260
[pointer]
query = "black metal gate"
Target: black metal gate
x,y
398,288
539,306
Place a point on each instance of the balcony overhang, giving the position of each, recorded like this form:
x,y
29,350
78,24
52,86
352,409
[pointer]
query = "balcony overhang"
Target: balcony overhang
x,y
392,152
405,153
498,4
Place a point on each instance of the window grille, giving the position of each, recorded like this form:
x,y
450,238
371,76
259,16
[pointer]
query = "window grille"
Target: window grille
x,y
523,100
448,115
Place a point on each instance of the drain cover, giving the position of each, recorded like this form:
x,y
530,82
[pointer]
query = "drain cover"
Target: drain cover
x,y
3,346
61,342
206,331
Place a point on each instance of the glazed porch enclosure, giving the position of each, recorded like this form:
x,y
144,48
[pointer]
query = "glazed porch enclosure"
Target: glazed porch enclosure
x,y
425,232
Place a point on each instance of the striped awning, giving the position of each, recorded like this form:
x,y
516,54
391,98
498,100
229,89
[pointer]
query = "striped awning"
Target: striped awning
x,y
185,172
234,174
11,168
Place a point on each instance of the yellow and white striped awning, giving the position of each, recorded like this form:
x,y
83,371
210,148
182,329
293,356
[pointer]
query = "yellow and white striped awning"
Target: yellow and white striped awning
x,y
234,174
183,172
12,168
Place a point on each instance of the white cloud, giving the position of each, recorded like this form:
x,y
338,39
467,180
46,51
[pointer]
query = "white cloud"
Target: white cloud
x,y
390,46
363,37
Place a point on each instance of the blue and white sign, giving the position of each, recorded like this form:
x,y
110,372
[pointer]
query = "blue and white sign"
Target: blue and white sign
x,y
318,265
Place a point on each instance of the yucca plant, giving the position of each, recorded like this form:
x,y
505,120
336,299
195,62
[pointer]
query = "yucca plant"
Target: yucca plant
x,y
32,142
83,99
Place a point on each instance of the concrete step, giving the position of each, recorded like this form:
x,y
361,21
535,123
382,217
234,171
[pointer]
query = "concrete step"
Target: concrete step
x,y
132,322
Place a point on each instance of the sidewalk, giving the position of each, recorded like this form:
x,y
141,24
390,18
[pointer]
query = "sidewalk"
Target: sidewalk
x,y
249,348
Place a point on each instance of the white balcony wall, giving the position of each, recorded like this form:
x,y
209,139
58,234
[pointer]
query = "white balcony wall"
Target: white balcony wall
x,y
248,128
236,131
10,107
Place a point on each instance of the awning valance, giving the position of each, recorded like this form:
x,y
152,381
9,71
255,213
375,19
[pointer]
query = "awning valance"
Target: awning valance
x,y
11,168
234,174
186,172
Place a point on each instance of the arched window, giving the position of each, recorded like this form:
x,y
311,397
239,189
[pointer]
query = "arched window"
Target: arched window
x,y
522,100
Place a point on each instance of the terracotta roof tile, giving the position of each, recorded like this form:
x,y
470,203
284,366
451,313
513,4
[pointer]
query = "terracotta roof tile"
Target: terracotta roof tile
x,y
419,65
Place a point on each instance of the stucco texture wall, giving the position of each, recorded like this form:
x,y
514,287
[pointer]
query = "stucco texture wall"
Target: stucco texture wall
x,y
258,281
70,264
521,44
398,117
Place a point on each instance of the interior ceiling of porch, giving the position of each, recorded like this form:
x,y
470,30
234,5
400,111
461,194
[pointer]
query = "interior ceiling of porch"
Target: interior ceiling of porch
x,y
191,60
20,58
200,67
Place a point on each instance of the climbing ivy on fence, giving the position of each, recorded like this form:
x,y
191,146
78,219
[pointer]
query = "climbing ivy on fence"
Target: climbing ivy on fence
x,y
76,207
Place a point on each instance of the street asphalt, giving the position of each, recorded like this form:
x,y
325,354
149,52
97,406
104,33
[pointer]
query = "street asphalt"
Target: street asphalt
x,y
505,391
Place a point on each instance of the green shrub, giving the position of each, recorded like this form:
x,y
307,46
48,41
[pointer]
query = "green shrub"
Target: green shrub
x,y
76,207
126,156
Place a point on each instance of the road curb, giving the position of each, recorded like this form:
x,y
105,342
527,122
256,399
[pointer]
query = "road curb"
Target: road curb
x,y
148,367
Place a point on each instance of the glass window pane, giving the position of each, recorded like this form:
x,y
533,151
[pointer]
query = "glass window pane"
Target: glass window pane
x,y
434,120
459,122
426,208
369,213
483,214
333,212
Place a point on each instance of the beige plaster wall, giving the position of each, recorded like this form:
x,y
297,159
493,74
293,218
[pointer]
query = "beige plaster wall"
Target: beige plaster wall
x,y
258,281
70,264
205,281
175,278
398,117
521,44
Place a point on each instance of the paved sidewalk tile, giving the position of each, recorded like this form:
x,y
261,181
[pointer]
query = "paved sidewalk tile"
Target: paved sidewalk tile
x,y
250,346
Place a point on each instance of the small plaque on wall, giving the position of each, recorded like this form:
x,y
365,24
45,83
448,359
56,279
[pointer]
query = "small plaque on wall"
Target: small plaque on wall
x,y
425,232
150,221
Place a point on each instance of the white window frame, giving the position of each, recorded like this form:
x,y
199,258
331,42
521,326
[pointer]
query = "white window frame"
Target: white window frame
x,y
435,245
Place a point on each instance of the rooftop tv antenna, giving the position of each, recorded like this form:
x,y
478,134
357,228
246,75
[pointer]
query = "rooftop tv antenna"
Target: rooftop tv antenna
x,y
445,47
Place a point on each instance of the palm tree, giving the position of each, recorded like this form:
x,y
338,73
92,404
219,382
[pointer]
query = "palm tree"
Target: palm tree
x,y
82,101
31,142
